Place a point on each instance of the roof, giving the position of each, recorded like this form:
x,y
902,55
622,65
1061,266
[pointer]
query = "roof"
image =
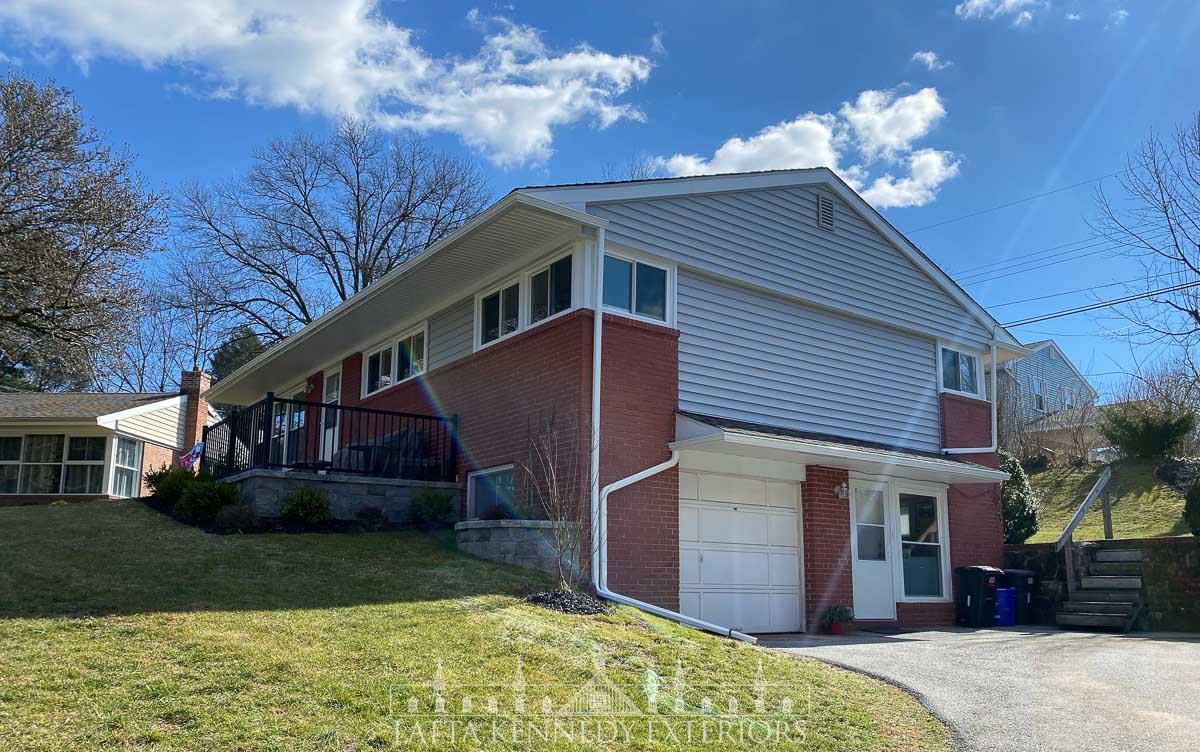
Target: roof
x,y
69,406
836,446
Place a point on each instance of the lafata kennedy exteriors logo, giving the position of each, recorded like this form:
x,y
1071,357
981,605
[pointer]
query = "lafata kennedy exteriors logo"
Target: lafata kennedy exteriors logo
x,y
675,711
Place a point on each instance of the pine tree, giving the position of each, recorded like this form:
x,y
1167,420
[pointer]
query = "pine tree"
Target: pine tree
x,y
1019,506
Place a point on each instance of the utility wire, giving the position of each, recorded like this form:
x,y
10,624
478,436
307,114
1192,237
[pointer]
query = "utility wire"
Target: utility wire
x,y
1074,292
1102,246
1103,304
970,270
1018,201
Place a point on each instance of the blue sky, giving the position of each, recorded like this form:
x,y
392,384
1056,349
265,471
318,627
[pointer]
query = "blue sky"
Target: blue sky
x,y
1018,97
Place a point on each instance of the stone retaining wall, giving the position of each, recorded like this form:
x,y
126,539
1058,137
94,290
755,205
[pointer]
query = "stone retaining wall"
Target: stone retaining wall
x,y
265,491
525,543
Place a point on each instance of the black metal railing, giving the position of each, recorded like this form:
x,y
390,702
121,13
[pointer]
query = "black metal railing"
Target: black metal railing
x,y
292,434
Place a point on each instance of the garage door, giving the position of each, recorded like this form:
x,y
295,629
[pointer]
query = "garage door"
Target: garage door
x,y
739,551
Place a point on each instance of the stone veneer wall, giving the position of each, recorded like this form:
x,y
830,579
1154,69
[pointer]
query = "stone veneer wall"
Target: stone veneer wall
x,y
525,543
265,491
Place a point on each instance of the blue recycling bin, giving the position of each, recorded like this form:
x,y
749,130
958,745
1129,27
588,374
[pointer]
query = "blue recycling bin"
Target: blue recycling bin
x,y
1006,602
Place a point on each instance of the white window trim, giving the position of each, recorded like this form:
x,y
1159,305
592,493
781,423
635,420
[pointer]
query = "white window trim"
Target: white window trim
x,y
67,435
636,258
1035,392
522,310
17,462
979,374
939,492
392,344
471,476
113,466
526,295
68,462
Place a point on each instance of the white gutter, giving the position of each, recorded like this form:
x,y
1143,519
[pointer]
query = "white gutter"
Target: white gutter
x,y
599,498
995,399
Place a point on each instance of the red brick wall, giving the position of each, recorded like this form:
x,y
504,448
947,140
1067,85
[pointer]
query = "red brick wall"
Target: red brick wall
x,y
193,384
154,457
828,578
976,533
639,393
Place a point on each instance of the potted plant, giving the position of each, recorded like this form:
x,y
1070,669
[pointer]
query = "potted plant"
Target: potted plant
x,y
835,618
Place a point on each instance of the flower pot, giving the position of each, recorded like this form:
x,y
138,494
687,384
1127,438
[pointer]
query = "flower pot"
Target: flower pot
x,y
837,627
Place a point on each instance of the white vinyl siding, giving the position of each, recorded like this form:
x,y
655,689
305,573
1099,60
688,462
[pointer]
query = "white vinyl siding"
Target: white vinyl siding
x,y
163,426
770,238
749,356
1058,376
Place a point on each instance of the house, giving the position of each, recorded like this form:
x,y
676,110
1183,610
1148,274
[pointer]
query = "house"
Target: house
x,y
783,400
1046,404
83,446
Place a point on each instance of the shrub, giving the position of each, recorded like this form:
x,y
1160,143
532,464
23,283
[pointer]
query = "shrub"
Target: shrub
x,y
1036,463
430,508
1146,432
236,517
1018,505
372,518
203,499
307,505
1191,508
169,482
836,614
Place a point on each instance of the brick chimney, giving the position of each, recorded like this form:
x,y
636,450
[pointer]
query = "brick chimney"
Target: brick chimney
x,y
193,384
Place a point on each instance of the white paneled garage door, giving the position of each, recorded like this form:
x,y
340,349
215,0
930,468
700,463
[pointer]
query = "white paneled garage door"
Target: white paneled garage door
x,y
739,551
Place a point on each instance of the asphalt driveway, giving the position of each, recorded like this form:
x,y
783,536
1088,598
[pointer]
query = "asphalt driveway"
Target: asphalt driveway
x,y
1031,689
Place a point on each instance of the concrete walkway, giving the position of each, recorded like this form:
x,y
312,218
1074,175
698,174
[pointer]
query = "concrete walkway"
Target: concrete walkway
x,y
1029,689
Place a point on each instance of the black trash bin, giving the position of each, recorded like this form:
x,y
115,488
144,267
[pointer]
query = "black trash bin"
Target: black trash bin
x,y
1024,581
975,605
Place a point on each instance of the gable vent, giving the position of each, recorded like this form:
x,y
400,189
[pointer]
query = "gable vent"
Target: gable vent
x,y
824,211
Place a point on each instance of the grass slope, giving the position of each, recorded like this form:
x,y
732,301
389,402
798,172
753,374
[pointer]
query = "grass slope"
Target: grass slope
x,y
121,628
1142,505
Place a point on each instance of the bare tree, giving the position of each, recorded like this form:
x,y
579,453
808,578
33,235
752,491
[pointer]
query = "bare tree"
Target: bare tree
x,y
555,483
637,166
317,220
1156,220
75,224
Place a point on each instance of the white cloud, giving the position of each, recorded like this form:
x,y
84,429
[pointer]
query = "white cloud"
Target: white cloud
x,y
931,60
656,43
1074,17
992,9
1117,18
884,124
504,100
879,125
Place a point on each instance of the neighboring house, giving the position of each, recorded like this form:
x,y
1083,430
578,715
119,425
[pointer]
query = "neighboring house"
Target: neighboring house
x,y
1047,404
807,365
81,446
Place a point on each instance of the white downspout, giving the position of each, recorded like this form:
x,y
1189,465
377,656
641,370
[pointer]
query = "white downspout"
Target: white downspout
x,y
995,399
599,499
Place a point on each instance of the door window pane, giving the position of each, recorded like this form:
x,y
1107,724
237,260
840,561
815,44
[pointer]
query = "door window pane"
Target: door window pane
x,y
86,449
918,519
872,545
869,509
651,292
618,283
10,448
922,570
43,448
83,479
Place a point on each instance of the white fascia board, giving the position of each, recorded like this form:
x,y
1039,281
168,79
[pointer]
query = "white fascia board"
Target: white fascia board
x,y
734,182
110,420
386,281
963,474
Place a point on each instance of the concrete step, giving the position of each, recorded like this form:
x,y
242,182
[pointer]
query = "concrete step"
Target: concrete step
x,y
1106,582
1128,568
1097,607
1108,596
1115,554
1108,621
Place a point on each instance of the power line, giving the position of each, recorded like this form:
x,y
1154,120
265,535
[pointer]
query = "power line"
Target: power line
x,y
968,271
1018,201
1073,292
1103,304
1100,246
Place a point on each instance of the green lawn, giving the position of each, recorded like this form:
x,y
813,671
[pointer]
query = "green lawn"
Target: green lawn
x,y
1142,505
120,628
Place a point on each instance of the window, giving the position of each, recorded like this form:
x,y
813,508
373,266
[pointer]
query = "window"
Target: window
x,y
550,290
1038,387
500,313
870,505
921,546
379,370
1069,398
126,468
635,287
10,463
489,489
41,464
412,356
960,372
84,472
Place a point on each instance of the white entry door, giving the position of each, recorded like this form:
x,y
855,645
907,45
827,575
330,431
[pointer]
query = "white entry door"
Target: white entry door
x,y
329,417
874,579
739,551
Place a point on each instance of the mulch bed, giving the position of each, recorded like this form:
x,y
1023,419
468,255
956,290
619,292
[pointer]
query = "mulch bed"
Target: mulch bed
x,y
570,602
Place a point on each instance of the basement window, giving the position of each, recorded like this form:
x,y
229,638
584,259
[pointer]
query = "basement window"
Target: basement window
x,y
490,493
